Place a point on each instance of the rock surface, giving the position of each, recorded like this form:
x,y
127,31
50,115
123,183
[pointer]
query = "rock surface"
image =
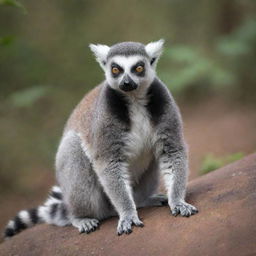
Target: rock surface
x,y
225,225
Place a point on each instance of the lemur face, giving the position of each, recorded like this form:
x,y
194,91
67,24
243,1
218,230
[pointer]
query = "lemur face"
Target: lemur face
x,y
128,73
128,66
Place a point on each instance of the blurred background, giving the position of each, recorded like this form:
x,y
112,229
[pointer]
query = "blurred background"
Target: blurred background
x,y
46,67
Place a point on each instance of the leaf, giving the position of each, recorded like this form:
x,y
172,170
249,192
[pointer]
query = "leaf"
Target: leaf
x,y
14,3
232,47
234,157
28,96
211,162
6,40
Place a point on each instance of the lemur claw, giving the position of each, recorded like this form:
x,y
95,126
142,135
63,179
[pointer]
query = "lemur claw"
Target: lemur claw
x,y
184,209
125,225
85,225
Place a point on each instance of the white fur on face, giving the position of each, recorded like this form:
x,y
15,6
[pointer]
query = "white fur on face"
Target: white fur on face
x,y
127,63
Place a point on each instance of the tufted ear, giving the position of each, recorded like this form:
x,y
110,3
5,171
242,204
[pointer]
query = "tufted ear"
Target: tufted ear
x,y
154,51
100,51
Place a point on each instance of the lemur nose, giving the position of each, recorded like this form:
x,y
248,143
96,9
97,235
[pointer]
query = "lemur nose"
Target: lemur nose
x,y
127,84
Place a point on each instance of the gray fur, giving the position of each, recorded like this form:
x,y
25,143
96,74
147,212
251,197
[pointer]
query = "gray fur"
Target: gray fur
x,y
80,186
110,159
127,49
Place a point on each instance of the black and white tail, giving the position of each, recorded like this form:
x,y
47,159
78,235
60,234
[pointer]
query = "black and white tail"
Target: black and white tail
x,y
53,211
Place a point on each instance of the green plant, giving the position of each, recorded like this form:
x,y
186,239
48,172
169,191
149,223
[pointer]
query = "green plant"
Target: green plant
x,y
14,3
28,96
6,40
227,67
191,67
211,162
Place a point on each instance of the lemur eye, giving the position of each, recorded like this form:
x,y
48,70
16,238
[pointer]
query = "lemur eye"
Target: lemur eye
x,y
139,69
115,70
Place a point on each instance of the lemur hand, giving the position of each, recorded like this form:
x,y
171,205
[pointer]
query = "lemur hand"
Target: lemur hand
x,y
125,223
183,208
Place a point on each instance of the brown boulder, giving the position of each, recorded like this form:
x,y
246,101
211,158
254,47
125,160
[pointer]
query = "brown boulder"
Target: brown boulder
x,y
225,225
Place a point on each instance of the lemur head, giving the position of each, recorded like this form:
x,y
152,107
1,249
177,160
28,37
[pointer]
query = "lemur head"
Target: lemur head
x,y
128,66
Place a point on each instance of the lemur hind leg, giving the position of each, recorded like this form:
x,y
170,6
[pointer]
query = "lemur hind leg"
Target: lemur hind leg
x,y
157,200
82,192
145,193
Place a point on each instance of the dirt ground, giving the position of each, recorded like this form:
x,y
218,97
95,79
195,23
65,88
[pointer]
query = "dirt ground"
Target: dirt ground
x,y
210,127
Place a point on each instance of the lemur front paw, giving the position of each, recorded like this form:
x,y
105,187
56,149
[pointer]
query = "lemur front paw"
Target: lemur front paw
x,y
184,209
125,224
85,225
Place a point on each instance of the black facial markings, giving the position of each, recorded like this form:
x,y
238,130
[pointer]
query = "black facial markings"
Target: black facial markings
x,y
118,105
115,65
158,100
33,214
133,69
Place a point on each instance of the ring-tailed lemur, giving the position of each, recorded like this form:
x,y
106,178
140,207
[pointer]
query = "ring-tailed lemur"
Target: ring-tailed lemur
x,y
118,140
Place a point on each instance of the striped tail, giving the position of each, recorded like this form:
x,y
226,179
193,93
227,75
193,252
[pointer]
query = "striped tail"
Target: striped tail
x,y
53,212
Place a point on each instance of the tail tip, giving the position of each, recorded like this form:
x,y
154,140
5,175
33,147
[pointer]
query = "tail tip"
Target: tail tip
x,y
9,232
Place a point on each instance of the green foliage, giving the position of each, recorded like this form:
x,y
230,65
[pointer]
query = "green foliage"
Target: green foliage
x,y
211,162
27,97
6,40
241,42
225,68
190,68
14,3
239,55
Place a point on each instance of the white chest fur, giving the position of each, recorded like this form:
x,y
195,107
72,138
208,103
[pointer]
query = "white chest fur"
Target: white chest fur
x,y
139,140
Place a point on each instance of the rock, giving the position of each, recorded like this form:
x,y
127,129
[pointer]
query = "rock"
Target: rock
x,y
225,225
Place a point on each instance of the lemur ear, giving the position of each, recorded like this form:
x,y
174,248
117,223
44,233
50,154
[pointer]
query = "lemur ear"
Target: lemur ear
x,y
100,51
154,51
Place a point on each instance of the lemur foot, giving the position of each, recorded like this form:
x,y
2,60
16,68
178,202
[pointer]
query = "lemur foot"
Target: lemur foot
x,y
184,209
85,225
125,224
